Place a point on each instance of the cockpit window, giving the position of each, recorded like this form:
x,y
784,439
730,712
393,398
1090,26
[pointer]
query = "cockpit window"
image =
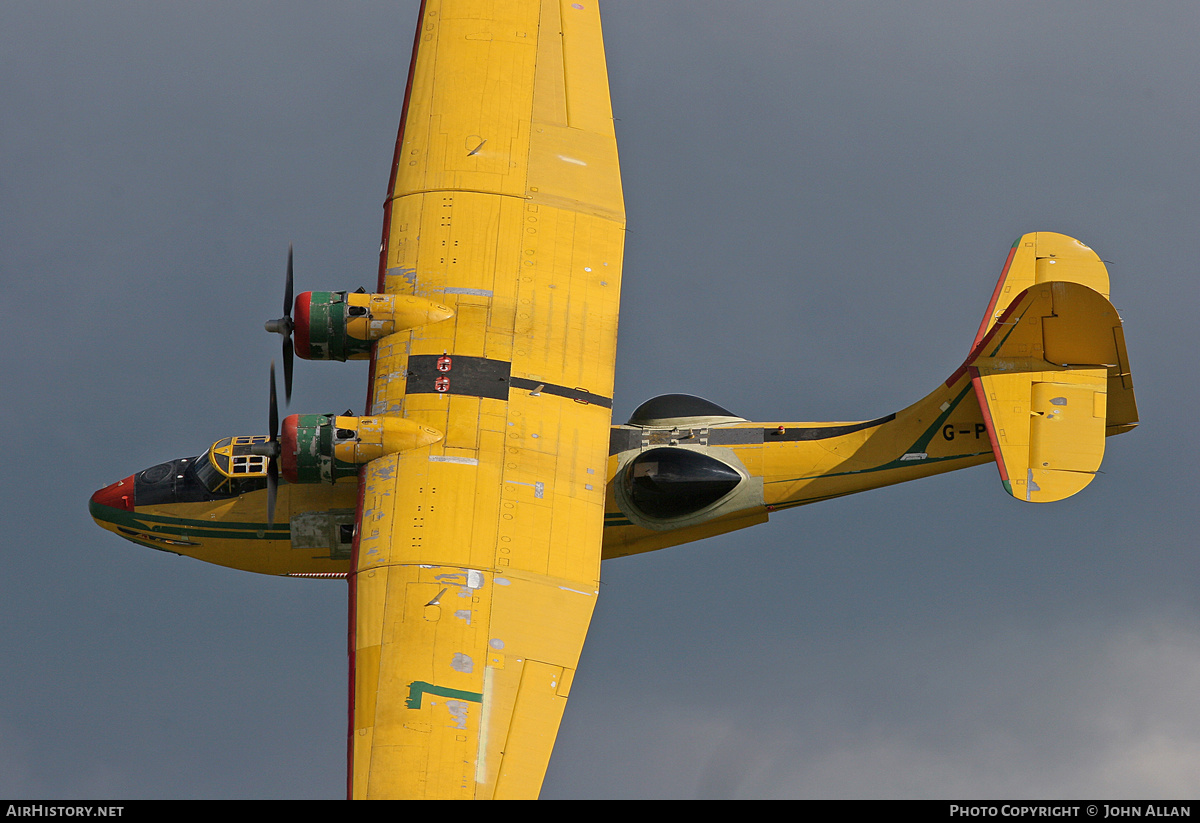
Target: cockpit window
x,y
243,461
249,464
209,475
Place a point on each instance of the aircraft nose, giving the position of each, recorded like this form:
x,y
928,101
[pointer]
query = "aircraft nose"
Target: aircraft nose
x,y
118,495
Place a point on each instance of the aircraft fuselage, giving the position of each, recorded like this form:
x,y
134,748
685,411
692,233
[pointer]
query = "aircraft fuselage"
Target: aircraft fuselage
x,y
671,479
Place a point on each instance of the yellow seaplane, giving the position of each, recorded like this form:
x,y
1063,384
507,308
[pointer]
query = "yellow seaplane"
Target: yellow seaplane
x,y
470,507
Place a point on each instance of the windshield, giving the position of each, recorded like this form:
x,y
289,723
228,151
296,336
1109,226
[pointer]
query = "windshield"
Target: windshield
x,y
212,479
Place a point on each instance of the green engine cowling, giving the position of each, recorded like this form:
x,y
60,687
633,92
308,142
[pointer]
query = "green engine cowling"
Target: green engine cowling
x,y
320,448
338,325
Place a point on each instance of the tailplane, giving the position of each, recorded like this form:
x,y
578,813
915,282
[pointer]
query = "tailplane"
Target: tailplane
x,y
1050,369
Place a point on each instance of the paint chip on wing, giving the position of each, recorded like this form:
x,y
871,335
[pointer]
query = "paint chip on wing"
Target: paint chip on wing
x,y
566,159
407,273
458,710
445,458
462,663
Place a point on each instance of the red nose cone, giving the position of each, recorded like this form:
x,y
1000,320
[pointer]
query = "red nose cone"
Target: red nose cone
x,y
300,319
117,496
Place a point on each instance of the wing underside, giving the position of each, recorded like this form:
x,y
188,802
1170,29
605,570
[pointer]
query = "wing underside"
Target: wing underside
x,y
477,558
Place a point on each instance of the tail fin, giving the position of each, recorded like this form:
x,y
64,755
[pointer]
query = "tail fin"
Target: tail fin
x,y
1050,369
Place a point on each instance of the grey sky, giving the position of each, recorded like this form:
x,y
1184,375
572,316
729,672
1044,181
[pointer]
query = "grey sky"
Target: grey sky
x,y
820,198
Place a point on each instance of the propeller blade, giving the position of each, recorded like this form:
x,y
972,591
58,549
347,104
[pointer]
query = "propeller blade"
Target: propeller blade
x,y
288,354
287,293
274,413
283,326
273,453
272,490
271,450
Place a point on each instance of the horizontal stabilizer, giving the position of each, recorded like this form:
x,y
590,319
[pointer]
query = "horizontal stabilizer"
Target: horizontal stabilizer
x,y
1042,374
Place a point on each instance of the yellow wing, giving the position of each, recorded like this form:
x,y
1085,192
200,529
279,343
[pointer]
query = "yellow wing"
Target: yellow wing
x,y
477,559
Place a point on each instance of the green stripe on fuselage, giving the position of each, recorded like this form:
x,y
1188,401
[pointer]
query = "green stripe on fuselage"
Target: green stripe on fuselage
x,y
182,526
918,447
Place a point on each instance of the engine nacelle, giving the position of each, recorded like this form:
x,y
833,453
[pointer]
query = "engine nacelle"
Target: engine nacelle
x,y
320,448
338,325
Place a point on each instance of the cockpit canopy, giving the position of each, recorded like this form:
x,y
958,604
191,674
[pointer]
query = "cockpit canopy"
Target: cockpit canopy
x,y
228,467
225,469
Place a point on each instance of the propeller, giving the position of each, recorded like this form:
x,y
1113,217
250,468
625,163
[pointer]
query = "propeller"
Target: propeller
x,y
284,326
271,449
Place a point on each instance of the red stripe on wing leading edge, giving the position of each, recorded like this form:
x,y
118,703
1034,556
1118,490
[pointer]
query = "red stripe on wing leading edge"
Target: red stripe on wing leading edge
x,y
351,633
391,191
387,204
352,611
